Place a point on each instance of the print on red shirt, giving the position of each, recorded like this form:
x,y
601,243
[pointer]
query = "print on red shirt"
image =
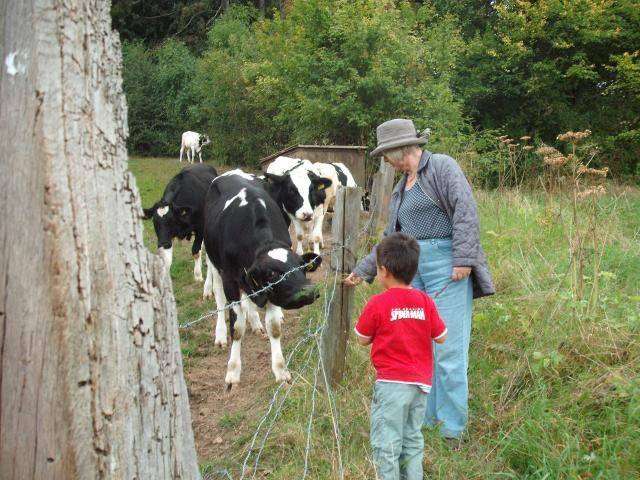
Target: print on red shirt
x,y
402,322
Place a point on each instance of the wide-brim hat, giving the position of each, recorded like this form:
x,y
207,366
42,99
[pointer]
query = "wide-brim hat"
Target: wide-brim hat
x,y
395,133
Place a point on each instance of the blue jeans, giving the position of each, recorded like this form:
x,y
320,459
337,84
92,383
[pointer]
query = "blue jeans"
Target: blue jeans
x,y
447,404
397,411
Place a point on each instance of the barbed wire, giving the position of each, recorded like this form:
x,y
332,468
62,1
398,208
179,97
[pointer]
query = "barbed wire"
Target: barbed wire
x,y
315,334
270,285
309,425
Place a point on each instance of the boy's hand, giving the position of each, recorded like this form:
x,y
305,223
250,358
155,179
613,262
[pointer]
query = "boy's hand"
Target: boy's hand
x,y
352,280
459,273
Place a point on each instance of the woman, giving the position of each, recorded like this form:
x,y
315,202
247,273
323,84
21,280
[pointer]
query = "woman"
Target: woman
x,y
433,202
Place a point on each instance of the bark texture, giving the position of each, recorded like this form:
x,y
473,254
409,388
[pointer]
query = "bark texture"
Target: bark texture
x,y
91,381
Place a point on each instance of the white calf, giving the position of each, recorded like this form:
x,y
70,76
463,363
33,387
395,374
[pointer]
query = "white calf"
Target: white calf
x,y
193,142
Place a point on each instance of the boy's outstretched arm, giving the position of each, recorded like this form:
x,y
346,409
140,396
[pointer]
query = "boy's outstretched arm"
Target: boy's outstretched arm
x,y
362,340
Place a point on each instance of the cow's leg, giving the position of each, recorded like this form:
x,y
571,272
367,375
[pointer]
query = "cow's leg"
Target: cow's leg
x,y
316,233
299,228
167,255
197,267
273,319
193,154
197,257
238,325
208,283
200,155
221,303
251,313
213,286
181,152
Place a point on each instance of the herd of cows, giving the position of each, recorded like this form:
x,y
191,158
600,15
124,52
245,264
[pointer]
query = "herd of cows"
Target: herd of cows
x,y
243,220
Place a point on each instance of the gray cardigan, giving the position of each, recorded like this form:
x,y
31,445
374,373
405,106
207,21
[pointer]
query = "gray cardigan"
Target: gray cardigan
x,y
442,179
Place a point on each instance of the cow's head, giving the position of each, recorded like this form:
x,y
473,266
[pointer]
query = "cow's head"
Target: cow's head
x,y
299,192
203,140
169,221
289,290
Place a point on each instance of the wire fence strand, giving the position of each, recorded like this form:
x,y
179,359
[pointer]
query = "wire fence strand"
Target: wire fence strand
x,y
282,391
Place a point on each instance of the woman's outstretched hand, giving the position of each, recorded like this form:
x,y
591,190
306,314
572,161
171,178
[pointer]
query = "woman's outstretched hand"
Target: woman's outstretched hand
x,y
459,273
352,280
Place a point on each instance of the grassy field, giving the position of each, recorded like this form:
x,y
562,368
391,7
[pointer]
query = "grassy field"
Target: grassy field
x,y
554,379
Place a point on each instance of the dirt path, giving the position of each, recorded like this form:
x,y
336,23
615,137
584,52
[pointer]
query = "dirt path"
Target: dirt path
x,y
220,417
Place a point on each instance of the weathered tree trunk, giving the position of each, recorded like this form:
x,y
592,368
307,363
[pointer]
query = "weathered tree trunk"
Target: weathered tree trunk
x,y
91,382
262,7
225,5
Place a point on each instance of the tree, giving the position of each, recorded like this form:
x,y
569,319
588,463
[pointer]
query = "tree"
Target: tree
x,y
91,382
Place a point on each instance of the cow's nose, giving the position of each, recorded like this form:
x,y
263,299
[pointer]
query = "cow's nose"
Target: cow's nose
x,y
312,292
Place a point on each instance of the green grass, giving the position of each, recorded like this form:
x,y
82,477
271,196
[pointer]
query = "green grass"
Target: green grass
x,y
554,391
152,176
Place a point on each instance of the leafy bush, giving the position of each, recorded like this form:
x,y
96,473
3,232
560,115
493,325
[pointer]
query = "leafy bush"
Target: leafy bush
x,y
334,69
159,94
328,73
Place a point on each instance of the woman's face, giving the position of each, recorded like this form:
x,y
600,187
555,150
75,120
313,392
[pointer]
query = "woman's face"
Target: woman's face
x,y
406,164
399,165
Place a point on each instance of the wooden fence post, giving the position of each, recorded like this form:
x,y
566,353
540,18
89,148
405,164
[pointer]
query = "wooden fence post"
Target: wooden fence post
x,y
380,196
344,229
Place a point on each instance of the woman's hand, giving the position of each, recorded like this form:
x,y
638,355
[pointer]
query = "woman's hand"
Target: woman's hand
x,y
352,280
459,273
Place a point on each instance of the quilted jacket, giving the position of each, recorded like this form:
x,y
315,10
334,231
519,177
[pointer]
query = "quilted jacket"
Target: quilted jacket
x,y
442,179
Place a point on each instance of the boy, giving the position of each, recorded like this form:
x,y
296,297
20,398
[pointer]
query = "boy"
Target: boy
x,y
400,324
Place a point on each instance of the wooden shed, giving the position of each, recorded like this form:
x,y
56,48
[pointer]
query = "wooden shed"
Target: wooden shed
x,y
353,156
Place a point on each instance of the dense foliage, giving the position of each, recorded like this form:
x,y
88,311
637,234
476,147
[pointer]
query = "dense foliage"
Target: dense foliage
x,y
331,70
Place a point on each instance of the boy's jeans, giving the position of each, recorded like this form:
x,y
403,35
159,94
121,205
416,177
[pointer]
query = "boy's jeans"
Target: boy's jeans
x,y
397,412
448,401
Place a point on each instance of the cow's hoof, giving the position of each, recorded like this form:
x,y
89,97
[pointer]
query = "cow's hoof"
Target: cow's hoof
x,y
207,295
283,376
221,342
198,278
231,379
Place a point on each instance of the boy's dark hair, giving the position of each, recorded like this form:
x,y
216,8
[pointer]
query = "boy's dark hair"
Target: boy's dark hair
x,y
399,253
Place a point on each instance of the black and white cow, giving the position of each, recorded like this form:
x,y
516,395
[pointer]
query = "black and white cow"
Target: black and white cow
x,y
193,143
248,248
300,192
179,213
339,174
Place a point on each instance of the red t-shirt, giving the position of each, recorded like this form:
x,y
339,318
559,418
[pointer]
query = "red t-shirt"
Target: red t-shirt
x,y
402,323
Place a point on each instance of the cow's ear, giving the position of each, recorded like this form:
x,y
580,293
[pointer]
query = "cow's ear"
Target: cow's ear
x,y
148,213
312,261
320,183
274,179
183,213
